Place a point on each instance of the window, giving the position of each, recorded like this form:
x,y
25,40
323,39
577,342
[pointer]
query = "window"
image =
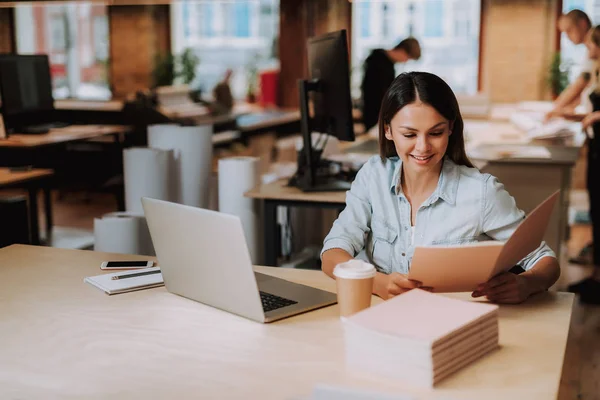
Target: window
x,y
101,38
571,55
75,37
365,16
242,19
240,35
58,36
385,29
449,38
461,17
433,18
267,29
207,27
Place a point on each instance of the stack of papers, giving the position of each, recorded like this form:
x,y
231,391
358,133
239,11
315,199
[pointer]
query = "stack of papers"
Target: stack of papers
x,y
462,268
128,281
533,124
420,337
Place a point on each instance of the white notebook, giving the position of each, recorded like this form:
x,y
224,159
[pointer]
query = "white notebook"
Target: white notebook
x,y
128,281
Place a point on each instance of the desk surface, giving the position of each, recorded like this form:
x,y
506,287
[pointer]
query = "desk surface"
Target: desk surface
x,y
71,133
279,190
267,119
12,178
86,105
63,338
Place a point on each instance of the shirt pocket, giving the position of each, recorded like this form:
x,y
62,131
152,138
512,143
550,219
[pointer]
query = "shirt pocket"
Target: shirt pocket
x,y
384,237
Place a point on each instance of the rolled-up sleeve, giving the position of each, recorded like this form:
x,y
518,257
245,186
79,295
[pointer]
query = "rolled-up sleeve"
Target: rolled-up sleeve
x,y
501,217
353,224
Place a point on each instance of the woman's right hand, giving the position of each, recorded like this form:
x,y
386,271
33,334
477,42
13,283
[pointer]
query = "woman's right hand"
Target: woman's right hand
x,y
590,119
388,286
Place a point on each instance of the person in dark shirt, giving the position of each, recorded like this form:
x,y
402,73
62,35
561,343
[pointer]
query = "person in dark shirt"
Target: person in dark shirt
x,y
379,73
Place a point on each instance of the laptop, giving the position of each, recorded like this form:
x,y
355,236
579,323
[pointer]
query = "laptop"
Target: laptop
x,y
203,256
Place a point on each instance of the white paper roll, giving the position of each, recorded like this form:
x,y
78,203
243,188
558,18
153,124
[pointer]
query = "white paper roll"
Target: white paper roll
x,y
146,174
123,232
193,159
237,175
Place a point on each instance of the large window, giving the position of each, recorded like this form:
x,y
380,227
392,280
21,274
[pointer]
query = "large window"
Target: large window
x,y
75,37
240,35
448,31
572,55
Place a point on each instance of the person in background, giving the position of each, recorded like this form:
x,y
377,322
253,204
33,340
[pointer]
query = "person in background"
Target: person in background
x,y
422,190
223,99
378,74
576,25
589,289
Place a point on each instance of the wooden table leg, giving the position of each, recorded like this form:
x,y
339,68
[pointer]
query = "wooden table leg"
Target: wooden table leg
x,y
33,216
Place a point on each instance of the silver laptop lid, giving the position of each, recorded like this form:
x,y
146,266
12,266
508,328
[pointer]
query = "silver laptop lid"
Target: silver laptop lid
x,y
203,256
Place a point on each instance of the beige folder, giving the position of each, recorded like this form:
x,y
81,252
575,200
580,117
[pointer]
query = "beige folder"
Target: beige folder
x,y
462,268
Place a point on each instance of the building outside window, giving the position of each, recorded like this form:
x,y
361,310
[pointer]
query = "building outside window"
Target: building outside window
x,y
75,37
226,34
448,31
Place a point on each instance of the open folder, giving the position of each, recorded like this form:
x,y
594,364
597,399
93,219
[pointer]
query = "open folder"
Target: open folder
x,y
462,268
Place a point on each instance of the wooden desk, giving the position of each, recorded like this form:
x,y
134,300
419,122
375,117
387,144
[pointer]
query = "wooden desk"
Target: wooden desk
x,y
86,105
63,338
33,181
71,133
279,194
267,120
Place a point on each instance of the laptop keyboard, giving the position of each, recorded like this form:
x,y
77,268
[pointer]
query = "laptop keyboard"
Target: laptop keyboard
x,y
271,302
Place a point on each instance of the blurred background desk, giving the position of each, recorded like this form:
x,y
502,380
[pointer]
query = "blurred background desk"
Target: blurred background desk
x,y
32,181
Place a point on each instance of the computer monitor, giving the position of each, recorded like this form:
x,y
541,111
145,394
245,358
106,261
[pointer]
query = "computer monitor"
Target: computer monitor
x,y
25,87
329,91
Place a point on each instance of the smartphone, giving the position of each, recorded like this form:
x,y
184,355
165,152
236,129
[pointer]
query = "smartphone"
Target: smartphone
x,y
126,264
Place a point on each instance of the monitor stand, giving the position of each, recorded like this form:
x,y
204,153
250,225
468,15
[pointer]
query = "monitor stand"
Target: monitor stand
x,y
309,159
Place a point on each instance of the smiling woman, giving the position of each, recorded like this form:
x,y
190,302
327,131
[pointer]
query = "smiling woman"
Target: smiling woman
x,y
422,190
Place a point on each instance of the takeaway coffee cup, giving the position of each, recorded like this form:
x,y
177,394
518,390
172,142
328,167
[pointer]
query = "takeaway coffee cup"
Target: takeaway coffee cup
x,y
354,281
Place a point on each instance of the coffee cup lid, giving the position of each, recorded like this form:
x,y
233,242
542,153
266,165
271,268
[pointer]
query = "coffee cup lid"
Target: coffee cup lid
x,y
354,269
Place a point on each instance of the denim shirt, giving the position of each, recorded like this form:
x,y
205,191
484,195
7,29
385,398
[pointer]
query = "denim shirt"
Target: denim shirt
x,y
466,206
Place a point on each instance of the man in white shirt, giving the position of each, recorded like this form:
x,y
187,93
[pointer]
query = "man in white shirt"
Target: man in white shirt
x,y
576,25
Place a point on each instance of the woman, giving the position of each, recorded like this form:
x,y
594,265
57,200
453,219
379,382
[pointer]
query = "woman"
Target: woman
x,y
589,289
423,190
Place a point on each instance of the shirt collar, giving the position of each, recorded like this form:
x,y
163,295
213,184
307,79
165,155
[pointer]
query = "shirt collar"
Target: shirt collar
x,y
447,186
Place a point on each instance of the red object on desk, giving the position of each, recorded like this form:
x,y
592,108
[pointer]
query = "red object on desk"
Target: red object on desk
x,y
268,87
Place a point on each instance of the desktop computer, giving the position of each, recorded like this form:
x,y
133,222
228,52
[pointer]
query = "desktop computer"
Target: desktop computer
x,y
26,98
327,94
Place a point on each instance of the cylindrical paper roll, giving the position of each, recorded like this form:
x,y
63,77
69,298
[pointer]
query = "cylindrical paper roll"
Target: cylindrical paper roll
x,y
146,174
237,175
193,159
124,232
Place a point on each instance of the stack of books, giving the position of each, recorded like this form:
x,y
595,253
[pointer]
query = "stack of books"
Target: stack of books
x,y
420,337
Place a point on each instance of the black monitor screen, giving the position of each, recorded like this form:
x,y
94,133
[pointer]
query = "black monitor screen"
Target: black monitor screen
x,y
25,84
332,102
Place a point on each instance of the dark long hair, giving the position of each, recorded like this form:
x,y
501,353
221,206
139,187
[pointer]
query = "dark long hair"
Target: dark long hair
x,y
431,90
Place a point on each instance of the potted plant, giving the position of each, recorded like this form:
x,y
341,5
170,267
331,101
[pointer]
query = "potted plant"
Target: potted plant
x,y
164,70
558,75
188,62
252,79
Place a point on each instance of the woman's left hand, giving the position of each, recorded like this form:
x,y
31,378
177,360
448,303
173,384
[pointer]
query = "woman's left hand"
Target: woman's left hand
x,y
504,288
